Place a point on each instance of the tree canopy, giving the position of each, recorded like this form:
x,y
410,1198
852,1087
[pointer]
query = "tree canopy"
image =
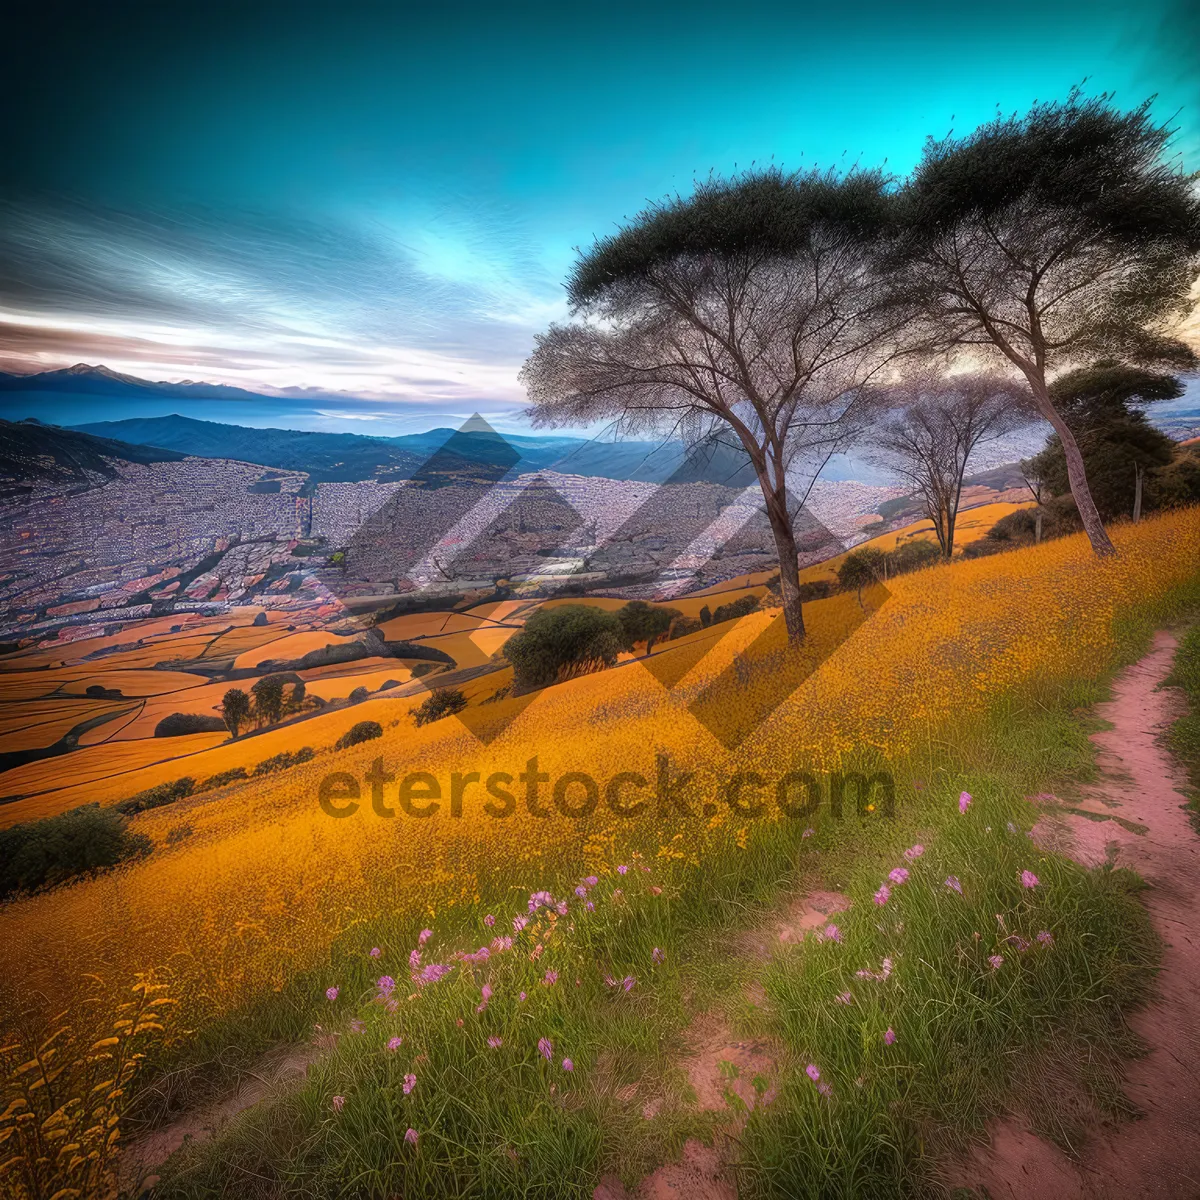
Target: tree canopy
x,y
561,642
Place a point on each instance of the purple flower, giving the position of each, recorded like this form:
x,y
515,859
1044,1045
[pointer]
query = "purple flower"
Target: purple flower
x,y
386,985
546,1048
845,998
356,1025
1046,938
883,895
568,1065
521,997
590,906
953,884
914,852
812,1072
1028,879
591,881
622,869
807,833
495,1042
538,900
581,892
331,993
424,936
410,1082
486,994
964,801
996,961
824,1089
519,923
898,875
832,932
656,955
414,960
489,920
889,1037
434,972
338,1102
501,944
375,952
410,1136
550,979
395,1043
561,908
628,982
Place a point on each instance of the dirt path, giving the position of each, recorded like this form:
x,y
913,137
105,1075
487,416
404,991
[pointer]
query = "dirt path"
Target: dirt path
x,y
1158,1155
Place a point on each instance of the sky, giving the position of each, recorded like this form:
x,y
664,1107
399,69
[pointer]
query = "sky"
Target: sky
x,y
383,200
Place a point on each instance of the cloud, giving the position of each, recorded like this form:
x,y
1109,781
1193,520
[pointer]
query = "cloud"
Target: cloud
x,y
435,304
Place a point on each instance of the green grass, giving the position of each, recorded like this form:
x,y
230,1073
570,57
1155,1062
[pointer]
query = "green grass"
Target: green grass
x,y
1184,738
1044,1031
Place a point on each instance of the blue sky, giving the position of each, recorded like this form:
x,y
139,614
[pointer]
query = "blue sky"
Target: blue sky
x,y
382,200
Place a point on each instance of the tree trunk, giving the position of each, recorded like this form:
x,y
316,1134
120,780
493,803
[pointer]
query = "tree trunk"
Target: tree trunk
x,y
1076,476
789,570
1037,526
1138,476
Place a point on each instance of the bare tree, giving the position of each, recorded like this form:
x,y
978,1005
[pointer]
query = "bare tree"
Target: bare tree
x,y
751,310
1051,239
935,427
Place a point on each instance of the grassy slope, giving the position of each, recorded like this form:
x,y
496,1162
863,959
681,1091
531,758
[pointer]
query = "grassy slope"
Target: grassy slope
x,y
506,1122
1185,735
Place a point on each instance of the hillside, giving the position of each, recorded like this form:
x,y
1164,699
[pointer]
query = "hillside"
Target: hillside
x,y
30,450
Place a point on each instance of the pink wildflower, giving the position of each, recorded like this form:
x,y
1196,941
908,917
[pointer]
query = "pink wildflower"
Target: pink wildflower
x,y
656,891
568,1065
338,1102
832,932
889,1037
550,979
434,972
521,996
883,895
812,1072
824,1089
375,952
414,960
410,1082
953,884
331,993
1046,938
546,1048
581,892
495,1042
845,998
996,961
424,936
964,801
898,875
395,1043
807,833
489,920
356,1025
622,869
1028,879
591,881
628,982
410,1136
656,955
386,985
519,923
486,994
914,852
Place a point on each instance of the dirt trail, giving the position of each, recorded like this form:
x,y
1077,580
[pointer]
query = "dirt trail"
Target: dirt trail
x,y
1158,1155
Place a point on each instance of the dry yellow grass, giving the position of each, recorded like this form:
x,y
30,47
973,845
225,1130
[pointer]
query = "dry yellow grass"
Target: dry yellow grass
x,y
266,881
290,646
43,722
427,625
134,683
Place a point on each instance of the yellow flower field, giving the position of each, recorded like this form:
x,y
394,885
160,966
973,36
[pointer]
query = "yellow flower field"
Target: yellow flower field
x,y
266,881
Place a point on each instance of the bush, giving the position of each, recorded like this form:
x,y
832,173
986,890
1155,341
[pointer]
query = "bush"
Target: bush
x,y
179,724
359,695
78,842
221,779
443,702
913,556
735,609
559,643
156,797
288,758
364,731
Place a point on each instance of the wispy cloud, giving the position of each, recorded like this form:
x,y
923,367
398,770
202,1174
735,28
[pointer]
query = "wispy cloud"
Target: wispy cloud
x,y
432,305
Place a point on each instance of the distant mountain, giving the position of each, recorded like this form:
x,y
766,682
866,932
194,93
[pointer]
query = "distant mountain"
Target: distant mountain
x,y
31,451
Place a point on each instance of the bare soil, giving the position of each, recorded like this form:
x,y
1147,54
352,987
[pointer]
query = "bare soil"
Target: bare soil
x,y
1134,816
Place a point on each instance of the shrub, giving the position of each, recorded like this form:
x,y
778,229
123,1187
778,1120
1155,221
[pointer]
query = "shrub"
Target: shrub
x,y
179,833
559,643
363,731
735,609
682,626
80,841
179,724
156,797
285,759
443,702
221,779
359,695
913,556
